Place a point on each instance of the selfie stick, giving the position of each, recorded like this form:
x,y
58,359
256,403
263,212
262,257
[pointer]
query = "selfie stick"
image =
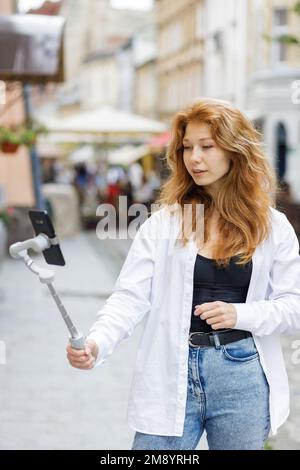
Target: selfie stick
x,y
40,243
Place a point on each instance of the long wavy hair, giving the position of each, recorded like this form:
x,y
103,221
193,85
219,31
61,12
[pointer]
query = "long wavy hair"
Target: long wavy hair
x,y
247,191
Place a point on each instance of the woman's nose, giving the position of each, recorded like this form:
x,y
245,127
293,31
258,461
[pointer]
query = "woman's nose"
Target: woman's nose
x,y
197,153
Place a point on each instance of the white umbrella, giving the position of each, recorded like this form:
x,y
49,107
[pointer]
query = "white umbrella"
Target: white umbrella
x,y
83,154
104,120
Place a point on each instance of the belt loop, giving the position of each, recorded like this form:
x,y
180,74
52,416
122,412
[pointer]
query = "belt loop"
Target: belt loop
x,y
216,340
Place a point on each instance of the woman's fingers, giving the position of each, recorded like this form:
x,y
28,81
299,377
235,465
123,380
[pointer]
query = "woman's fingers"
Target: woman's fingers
x,y
76,353
83,365
79,358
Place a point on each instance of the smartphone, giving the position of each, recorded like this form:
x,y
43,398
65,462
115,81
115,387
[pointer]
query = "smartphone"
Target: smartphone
x,y
41,223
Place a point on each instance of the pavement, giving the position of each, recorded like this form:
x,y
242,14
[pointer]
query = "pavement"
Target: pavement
x,y
44,402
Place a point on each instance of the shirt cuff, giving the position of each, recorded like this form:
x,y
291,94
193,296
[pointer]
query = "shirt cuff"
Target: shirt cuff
x,y
244,314
102,347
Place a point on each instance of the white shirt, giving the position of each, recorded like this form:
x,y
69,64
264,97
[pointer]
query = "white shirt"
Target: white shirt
x,y
156,282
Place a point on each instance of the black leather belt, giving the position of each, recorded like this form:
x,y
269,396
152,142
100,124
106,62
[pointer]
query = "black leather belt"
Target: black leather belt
x,y
216,338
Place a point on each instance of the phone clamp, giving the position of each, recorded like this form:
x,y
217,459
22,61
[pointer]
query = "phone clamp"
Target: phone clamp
x,y
46,276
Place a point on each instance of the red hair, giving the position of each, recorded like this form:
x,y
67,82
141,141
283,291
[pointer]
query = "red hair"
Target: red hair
x,y
248,189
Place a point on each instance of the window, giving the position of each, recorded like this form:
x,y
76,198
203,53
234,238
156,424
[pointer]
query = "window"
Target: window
x,y
218,41
280,28
280,17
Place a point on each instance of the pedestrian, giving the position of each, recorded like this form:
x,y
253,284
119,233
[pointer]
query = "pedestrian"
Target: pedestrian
x,y
81,181
210,356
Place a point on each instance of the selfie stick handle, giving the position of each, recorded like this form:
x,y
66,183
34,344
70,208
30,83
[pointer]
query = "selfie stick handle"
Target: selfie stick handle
x,y
76,339
46,276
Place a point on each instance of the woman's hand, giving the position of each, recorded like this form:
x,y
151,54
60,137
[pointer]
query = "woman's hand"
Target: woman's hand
x,y
217,314
83,358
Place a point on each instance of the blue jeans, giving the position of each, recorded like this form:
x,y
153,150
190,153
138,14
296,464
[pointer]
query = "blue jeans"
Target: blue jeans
x,y
228,396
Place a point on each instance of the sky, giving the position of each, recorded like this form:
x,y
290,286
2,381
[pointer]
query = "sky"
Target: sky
x,y
25,5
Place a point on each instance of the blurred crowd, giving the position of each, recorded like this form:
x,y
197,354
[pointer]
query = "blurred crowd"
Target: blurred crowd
x,y
95,184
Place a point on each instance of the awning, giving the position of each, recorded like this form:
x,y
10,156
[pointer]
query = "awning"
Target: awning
x,y
160,140
31,48
103,121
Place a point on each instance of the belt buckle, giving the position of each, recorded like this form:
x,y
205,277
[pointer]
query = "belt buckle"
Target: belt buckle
x,y
190,339
195,333
212,337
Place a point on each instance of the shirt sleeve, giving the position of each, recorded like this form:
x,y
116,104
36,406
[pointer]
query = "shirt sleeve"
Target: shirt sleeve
x,y
130,300
280,313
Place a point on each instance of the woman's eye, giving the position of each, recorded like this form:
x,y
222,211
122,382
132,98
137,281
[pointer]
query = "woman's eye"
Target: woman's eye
x,y
204,146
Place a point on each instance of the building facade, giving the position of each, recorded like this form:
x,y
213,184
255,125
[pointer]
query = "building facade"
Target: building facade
x,y
274,74
99,54
180,54
230,50
146,90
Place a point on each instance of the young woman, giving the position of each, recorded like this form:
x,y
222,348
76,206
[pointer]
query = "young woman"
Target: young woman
x,y
215,300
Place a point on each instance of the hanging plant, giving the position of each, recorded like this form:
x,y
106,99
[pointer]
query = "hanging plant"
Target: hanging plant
x,y
9,147
9,140
12,137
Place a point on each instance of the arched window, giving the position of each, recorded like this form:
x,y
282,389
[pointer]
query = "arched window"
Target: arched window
x,y
281,150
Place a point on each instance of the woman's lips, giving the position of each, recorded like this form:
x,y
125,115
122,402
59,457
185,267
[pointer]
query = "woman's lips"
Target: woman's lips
x,y
199,173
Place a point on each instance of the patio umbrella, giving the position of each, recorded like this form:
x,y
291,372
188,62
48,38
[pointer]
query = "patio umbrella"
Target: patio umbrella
x,y
83,154
104,120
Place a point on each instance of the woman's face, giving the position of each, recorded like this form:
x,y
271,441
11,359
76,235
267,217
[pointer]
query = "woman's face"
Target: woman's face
x,y
202,153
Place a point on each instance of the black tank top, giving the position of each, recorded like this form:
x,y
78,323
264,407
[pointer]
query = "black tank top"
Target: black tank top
x,y
228,284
